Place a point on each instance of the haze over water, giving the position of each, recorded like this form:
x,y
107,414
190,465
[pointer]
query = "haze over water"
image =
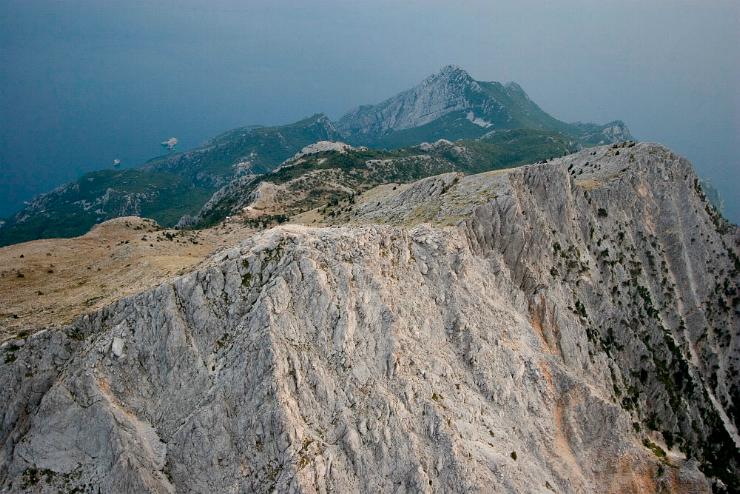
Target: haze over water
x,y
83,82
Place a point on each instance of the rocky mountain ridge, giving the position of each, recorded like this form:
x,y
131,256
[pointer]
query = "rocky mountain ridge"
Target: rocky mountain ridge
x,y
333,173
172,189
437,95
570,326
167,188
453,105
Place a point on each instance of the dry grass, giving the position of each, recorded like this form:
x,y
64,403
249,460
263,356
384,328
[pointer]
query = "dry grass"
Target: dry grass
x,y
588,184
50,282
309,218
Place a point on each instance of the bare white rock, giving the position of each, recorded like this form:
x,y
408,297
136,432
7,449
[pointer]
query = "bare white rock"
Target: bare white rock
x,y
523,358
117,346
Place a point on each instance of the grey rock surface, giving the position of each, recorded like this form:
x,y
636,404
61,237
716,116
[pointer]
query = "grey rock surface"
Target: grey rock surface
x,y
565,327
436,96
452,94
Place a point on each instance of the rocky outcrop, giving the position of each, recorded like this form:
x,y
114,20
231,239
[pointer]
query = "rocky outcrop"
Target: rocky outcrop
x,y
326,174
436,96
451,104
555,327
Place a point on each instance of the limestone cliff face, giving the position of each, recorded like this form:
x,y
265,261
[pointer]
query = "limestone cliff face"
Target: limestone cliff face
x,y
567,327
651,273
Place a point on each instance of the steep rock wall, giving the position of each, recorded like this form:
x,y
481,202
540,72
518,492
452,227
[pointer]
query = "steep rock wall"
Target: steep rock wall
x,y
478,357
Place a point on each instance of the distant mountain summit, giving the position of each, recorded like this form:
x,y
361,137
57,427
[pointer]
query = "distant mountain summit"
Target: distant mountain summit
x,y
449,105
452,89
453,105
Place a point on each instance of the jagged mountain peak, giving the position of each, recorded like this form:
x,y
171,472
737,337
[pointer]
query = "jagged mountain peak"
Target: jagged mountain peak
x,y
451,69
450,74
451,104
436,96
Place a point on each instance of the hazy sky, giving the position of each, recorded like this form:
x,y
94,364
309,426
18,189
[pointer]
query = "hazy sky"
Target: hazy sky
x,y
85,81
